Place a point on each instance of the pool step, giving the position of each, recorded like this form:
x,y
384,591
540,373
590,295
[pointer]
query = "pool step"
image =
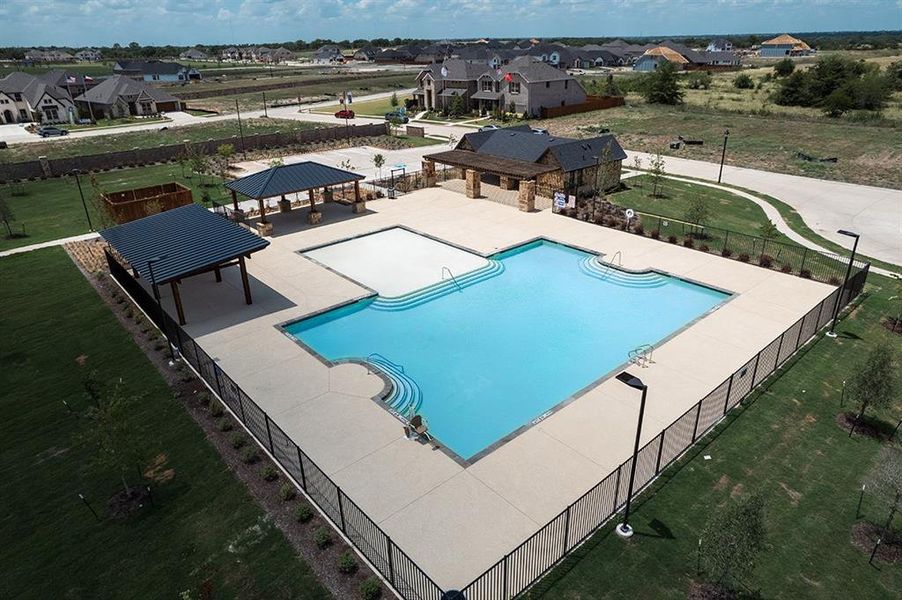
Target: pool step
x,y
590,266
441,288
406,398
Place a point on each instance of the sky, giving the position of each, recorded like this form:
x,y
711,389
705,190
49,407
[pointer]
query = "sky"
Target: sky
x,y
188,22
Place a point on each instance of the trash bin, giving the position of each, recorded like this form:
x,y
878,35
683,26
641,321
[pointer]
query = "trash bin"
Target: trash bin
x,y
391,193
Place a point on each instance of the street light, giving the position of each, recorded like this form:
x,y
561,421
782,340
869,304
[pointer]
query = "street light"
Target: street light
x,y
723,154
76,172
156,295
845,281
624,530
240,130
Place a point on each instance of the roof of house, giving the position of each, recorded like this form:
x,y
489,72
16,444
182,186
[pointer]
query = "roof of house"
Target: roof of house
x,y
719,42
287,179
533,70
189,238
112,88
491,164
783,40
667,53
457,70
32,88
149,67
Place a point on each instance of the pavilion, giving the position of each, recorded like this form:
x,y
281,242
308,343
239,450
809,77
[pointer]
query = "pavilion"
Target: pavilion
x,y
281,180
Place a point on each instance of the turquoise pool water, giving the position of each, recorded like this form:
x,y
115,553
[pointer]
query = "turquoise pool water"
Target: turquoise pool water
x,y
482,357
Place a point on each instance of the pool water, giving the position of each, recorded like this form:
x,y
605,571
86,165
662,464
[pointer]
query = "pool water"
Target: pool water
x,y
481,357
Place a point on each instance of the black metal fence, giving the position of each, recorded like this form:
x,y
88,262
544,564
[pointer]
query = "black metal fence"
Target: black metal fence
x,y
532,559
407,578
410,180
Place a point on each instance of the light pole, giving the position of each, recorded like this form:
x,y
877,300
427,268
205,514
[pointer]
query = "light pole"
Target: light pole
x,y
156,295
76,172
264,105
845,281
240,130
624,530
723,154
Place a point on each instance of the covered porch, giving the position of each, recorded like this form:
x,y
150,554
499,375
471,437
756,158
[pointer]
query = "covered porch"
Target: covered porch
x,y
283,180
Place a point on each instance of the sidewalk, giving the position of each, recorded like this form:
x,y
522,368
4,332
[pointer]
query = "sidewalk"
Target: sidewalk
x,y
51,243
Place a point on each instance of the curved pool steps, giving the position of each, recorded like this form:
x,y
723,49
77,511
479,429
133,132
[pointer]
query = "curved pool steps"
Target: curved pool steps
x,y
591,267
405,397
441,288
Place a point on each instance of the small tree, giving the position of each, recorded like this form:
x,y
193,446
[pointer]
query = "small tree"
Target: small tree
x,y
393,100
637,164
224,152
768,230
698,211
874,382
378,162
662,86
884,481
610,87
6,215
733,539
457,107
743,82
699,80
512,108
784,68
656,170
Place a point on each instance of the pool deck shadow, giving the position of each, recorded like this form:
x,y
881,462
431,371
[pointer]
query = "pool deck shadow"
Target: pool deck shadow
x,y
456,521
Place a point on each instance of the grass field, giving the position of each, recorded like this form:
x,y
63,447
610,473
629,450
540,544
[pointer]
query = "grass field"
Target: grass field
x,y
52,208
92,69
151,137
203,524
786,445
867,154
371,108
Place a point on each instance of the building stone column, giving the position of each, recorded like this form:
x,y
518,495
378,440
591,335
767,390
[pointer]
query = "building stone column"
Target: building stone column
x,y
526,200
473,184
429,172
508,183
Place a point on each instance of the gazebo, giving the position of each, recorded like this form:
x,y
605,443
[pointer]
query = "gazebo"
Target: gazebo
x,y
183,242
281,180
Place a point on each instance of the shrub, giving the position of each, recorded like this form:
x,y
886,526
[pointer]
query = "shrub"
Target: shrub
x,y
687,242
766,261
346,563
655,234
639,229
158,346
322,538
743,82
726,252
216,410
225,424
786,268
805,274
744,257
371,589
238,440
204,398
672,239
287,492
303,513
704,248
833,280
269,473
249,455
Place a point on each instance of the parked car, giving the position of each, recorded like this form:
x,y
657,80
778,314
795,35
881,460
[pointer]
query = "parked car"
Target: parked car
x,y
396,116
345,113
48,131
489,128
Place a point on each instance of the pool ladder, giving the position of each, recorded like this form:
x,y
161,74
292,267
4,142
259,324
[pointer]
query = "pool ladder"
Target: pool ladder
x,y
641,356
610,263
453,278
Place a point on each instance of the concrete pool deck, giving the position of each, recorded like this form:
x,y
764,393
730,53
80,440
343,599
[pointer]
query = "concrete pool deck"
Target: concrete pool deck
x,y
457,521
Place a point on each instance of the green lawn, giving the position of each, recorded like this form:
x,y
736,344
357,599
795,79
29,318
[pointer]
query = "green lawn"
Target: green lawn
x,y
203,526
52,208
786,445
127,140
117,122
371,108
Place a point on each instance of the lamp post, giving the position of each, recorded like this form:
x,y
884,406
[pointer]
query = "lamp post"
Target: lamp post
x,y
624,530
845,281
723,154
156,295
240,130
81,193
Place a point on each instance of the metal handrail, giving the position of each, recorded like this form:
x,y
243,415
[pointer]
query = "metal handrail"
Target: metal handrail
x,y
451,275
377,355
641,354
610,263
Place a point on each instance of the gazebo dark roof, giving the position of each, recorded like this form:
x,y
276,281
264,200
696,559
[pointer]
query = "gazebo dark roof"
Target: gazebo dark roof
x,y
490,164
287,179
192,239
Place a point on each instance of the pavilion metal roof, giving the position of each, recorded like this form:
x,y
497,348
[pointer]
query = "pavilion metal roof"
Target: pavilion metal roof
x,y
490,164
191,238
288,179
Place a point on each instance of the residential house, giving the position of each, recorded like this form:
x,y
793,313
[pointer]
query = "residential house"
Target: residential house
x,y
25,97
402,54
88,55
156,70
260,54
783,46
367,53
51,55
655,57
231,53
121,96
720,45
683,57
525,84
329,54
193,54
73,83
573,166
282,54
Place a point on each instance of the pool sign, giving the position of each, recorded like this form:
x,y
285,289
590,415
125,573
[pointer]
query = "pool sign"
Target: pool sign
x,y
630,213
560,200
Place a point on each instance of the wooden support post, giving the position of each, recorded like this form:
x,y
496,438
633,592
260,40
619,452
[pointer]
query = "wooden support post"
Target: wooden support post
x,y
218,274
356,190
314,216
234,200
244,283
178,301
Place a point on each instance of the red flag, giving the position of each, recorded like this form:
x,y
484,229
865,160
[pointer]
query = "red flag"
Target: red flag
x,y
508,77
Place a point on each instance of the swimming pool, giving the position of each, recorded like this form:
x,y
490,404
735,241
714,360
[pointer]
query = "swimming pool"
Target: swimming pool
x,y
491,352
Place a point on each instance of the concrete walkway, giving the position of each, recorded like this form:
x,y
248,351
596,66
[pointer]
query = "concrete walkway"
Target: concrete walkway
x,y
826,206
59,242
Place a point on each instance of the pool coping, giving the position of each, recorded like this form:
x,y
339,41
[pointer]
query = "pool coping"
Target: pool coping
x,y
388,385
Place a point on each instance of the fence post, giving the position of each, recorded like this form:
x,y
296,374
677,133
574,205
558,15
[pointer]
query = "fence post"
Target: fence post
x,y
301,463
505,596
779,349
196,360
660,451
801,327
566,532
216,375
804,258
241,406
755,370
726,237
726,402
268,432
698,414
391,562
341,508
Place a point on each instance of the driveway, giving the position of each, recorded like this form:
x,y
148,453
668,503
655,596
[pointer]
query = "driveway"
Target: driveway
x,y
826,206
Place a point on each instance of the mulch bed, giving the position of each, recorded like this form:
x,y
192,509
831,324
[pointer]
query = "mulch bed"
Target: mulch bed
x,y
864,537
863,427
123,503
199,403
700,590
892,324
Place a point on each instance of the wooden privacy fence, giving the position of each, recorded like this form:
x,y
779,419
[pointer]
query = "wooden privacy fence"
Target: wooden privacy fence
x,y
129,205
591,103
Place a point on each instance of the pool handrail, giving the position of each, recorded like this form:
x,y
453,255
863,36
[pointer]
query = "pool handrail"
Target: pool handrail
x,y
391,362
453,278
619,256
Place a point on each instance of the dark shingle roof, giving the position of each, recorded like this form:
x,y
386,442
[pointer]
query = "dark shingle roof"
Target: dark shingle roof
x,y
287,179
579,154
125,87
32,88
149,67
190,237
520,143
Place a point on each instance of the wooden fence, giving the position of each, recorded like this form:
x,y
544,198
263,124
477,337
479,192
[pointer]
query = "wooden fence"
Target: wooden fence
x,y
591,103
